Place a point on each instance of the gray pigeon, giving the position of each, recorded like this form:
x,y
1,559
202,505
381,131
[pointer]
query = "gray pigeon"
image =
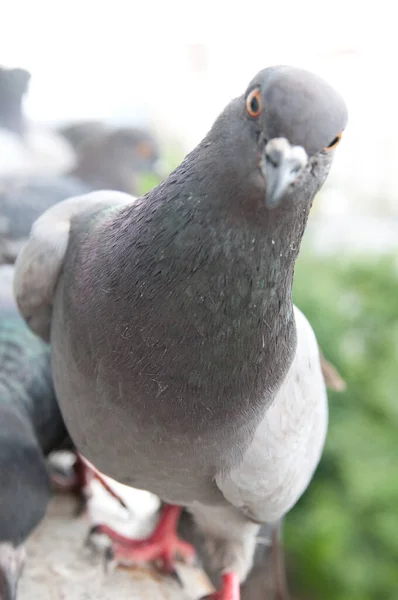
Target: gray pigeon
x,y
78,132
23,200
112,160
180,362
30,427
13,87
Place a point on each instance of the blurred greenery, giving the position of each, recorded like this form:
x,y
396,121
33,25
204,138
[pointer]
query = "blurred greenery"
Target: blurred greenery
x,y
342,537
171,160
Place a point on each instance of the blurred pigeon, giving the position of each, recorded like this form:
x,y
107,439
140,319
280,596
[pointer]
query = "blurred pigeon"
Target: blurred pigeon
x,y
13,87
181,365
23,200
110,161
30,427
78,133
113,159
24,147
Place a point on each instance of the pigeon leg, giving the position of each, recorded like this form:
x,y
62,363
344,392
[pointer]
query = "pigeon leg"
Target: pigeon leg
x,y
85,473
78,483
281,590
230,588
162,546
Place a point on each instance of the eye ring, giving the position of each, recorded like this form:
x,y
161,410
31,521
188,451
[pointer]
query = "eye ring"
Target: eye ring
x,y
334,143
144,150
253,103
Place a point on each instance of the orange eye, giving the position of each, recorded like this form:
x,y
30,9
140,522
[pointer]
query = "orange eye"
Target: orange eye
x,y
144,150
253,103
334,143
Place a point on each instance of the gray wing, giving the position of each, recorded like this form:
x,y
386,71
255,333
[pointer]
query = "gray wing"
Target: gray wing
x,y
40,261
285,451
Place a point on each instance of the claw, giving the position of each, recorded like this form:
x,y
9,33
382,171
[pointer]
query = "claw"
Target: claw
x,y
109,558
162,546
88,542
176,577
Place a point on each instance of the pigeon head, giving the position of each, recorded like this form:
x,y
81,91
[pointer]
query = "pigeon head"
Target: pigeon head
x,y
78,133
137,150
141,144
283,130
113,159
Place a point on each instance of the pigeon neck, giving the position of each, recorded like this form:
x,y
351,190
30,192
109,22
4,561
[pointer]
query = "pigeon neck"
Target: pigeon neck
x,y
255,244
264,253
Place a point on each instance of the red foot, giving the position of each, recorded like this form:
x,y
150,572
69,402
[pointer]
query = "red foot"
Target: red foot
x,y
230,589
162,545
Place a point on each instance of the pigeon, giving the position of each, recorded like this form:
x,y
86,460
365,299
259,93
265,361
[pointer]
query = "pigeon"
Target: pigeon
x,y
31,426
266,578
112,160
181,365
13,87
24,146
23,200
77,133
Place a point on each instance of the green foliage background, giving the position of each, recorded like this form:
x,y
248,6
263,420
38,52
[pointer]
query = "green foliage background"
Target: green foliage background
x,y
342,537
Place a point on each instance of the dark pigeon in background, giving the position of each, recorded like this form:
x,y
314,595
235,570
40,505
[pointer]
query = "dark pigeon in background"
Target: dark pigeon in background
x,y
113,159
109,161
13,87
78,133
27,147
180,363
31,426
23,200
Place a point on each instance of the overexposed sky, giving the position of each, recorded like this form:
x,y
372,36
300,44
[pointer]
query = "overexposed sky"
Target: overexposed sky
x,y
90,58
176,64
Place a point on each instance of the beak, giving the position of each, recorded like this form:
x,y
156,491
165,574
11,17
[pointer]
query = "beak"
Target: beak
x,y
12,560
282,164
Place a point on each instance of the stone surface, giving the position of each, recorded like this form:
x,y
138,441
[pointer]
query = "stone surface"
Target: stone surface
x,y
60,567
